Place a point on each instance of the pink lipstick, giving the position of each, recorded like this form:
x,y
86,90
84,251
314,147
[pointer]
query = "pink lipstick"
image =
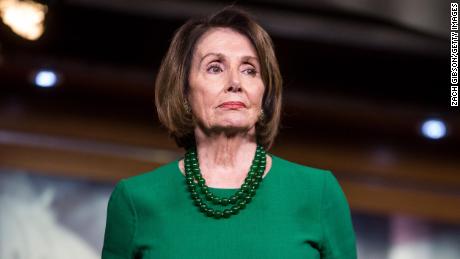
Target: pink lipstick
x,y
232,105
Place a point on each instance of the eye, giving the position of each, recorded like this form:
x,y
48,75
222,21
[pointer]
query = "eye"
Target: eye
x,y
214,69
250,71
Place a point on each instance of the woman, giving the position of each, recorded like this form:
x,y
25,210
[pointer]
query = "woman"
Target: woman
x,y
218,92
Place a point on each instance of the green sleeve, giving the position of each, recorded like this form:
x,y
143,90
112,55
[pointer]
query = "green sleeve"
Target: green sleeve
x,y
121,225
338,233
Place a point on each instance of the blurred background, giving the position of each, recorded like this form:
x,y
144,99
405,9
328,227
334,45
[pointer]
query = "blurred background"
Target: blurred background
x,y
366,95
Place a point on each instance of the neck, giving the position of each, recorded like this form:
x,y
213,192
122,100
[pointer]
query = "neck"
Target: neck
x,y
219,153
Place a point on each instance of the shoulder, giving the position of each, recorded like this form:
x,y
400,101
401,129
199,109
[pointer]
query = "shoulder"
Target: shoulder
x,y
299,170
152,179
316,178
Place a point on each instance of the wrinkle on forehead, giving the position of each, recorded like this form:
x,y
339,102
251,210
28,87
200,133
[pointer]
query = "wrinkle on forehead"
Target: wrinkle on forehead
x,y
202,54
223,56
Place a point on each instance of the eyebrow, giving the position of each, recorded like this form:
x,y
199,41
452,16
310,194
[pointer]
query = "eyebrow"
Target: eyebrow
x,y
220,55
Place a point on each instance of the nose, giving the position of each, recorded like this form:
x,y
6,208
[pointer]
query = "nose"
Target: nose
x,y
234,83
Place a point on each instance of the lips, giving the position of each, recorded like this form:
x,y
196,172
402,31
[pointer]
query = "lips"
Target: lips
x,y
232,105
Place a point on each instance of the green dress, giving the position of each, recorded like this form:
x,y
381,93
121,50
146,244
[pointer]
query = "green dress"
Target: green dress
x,y
297,212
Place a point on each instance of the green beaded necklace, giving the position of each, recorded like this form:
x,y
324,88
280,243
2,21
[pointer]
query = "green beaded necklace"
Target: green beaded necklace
x,y
237,201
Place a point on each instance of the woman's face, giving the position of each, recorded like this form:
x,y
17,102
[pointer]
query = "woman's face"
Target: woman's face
x,y
226,88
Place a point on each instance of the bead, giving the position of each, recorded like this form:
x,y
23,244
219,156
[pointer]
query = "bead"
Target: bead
x,y
216,200
209,197
248,198
224,201
227,213
242,204
218,214
204,190
233,199
209,212
235,209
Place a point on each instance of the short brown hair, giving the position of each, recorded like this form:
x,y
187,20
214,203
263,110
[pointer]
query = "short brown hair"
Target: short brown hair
x,y
171,86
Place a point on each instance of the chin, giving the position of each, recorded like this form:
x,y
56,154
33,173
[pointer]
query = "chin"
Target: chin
x,y
235,121
230,124
236,125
